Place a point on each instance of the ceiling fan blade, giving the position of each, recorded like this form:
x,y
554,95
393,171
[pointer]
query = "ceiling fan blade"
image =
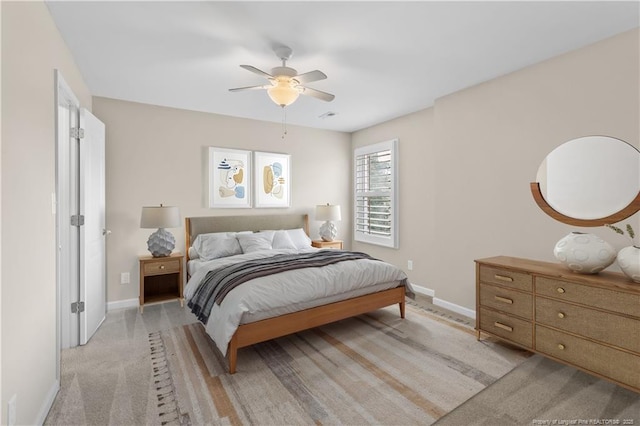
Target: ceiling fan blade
x,y
310,76
324,96
256,70
238,89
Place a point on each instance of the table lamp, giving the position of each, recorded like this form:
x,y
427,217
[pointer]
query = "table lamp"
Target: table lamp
x,y
328,213
161,242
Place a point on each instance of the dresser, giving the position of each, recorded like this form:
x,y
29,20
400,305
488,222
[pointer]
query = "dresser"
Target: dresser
x,y
591,322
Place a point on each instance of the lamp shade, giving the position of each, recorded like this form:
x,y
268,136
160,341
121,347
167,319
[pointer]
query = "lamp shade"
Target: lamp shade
x,y
160,217
328,212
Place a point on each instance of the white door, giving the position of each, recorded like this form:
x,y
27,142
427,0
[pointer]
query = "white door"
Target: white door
x,y
93,232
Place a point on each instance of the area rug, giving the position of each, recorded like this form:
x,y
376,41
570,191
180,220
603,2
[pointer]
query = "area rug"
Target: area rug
x,y
372,369
543,392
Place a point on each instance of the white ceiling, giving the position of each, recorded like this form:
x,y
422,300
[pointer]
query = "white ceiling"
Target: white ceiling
x,y
382,59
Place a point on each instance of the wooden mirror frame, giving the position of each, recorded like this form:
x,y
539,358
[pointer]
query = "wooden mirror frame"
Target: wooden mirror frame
x,y
626,212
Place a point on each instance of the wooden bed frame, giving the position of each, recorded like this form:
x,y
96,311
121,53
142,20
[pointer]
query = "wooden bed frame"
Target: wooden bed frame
x,y
271,328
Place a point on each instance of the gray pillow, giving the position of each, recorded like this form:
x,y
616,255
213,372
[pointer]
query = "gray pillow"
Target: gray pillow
x,y
216,248
255,242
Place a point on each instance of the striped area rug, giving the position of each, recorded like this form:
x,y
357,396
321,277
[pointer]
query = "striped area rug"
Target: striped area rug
x,y
372,369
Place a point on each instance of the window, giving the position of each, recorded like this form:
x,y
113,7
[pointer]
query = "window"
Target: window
x,y
375,181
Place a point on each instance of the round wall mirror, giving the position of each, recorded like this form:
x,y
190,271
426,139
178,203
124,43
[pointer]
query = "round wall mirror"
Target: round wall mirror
x,y
589,181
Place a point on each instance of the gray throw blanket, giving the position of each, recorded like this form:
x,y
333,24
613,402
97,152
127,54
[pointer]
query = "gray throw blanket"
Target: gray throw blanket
x,y
219,282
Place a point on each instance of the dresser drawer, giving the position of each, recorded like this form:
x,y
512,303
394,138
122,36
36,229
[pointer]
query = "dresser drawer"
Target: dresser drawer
x,y
615,364
506,278
603,326
626,303
506,300
508,327
162,267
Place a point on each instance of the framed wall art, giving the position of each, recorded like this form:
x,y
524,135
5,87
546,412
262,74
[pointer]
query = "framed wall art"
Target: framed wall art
x,y
273,179
229,178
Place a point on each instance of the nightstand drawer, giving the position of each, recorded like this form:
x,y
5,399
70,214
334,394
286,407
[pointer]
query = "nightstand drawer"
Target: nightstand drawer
x,y
610,362
615,301
506,278
162,267
510,301
510,328
335,244
605,327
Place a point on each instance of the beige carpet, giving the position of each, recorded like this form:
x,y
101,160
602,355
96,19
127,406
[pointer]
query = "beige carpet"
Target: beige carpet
x,y
543,392
373,369
110,380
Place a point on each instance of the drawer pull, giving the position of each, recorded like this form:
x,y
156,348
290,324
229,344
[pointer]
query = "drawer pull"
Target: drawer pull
x,y
503,326
503,278
503,299
560,290
561,346
161,266
561,315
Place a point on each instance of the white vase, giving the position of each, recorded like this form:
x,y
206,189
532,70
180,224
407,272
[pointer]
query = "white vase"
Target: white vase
x,y
584,253
629,262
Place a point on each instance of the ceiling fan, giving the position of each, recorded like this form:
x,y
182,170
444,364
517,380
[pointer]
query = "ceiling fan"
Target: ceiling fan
x,y
285,82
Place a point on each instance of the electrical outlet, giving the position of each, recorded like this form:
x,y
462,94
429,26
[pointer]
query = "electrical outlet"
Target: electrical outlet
x,y
410,265
125,278
11,410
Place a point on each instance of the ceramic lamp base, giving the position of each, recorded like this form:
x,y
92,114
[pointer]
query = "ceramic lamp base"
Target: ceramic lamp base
x,y
161,243
328,231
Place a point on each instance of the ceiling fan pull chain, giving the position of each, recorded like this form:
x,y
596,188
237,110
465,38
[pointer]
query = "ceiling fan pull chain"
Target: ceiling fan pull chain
x,y
284,122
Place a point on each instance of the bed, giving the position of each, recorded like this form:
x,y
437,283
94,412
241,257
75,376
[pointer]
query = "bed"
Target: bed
x,y
294,302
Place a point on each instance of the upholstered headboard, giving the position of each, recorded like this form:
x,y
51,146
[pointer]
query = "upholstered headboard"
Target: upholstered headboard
x,y
195,226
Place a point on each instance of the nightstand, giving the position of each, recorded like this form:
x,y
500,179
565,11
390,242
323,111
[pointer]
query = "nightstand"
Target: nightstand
x,y
335,244
161,279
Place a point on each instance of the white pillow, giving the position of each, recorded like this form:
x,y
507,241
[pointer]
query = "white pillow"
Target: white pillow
x,y
255,242
299,238
281,240
269,234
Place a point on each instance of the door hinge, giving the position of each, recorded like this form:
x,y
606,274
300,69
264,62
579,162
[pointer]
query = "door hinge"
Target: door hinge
x,y
77,307
77,220
77,132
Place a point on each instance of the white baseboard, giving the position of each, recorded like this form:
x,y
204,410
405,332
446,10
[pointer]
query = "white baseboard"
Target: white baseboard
x,y
440,302
133,303
48,402
423,290
455,308
121,304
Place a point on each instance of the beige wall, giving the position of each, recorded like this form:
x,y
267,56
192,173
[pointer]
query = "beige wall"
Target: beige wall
x,y
483,146
154,155
417,188
31,49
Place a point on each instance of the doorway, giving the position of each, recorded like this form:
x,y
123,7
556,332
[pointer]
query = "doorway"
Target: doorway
x,y
80,220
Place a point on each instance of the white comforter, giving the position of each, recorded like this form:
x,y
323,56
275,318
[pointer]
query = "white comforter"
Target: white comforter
x,y
289,291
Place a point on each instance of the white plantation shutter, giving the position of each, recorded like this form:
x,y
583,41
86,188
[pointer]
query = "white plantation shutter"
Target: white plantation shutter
x,y
375,182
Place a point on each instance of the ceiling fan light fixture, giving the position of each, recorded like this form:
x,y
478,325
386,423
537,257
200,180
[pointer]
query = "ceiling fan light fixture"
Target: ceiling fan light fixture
x,y
285,82
283,92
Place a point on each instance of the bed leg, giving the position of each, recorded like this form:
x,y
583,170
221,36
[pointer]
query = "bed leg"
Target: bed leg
x,y
233,354
401,309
